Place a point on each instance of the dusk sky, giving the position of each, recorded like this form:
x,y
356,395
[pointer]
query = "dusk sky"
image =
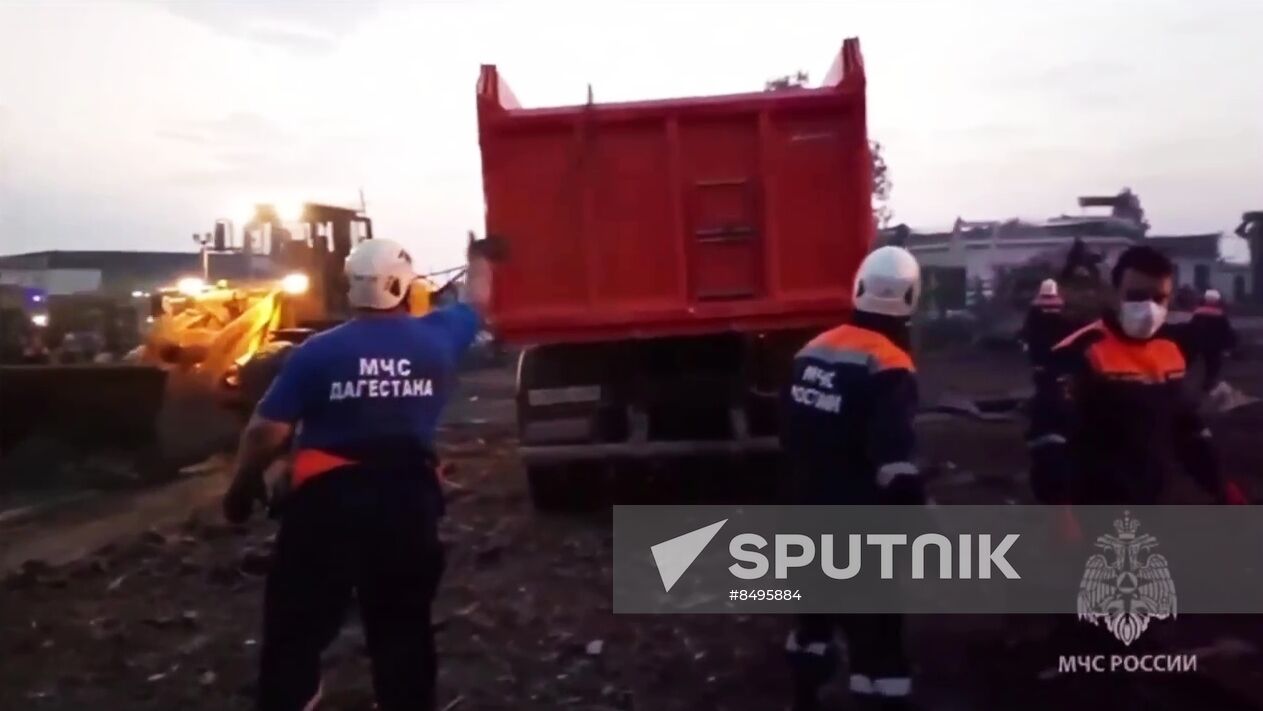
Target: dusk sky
x,y
130,125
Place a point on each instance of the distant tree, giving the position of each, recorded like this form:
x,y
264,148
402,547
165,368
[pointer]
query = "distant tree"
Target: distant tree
x,y
882,186
797,80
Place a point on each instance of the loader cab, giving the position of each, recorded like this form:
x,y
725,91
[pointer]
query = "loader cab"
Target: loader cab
x,y
314,240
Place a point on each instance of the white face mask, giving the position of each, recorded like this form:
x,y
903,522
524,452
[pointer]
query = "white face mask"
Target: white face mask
x,y
1141,319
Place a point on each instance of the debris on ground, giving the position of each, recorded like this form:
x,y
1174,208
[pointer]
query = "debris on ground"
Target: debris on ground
x,y
169,617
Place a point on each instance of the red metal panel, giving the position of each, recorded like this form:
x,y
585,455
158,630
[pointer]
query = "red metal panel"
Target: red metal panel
x,y
721,176
743,212
632,227
536,193
820,178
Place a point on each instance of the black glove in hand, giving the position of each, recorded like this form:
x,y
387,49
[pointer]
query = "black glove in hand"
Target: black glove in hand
x,y
904,490
239,501
492,248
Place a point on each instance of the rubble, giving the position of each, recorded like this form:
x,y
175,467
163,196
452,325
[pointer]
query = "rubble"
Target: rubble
x,y
522,618
255,561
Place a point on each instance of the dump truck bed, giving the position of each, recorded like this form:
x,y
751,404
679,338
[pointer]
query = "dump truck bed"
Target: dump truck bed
x,y
684,216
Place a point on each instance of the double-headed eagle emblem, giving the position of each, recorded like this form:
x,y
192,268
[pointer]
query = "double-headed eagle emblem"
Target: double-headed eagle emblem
x,y
1126,586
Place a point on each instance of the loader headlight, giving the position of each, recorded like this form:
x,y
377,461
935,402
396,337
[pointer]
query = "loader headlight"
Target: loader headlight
x,y
190,286
296,283
290,211
40,320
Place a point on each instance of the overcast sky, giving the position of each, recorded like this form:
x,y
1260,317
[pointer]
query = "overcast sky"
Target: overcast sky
x,y
132,124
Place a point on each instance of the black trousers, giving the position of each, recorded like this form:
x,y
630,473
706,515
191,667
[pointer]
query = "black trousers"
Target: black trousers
x,y
1214,366
362,533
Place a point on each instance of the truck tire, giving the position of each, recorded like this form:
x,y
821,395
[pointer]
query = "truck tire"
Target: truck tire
x,y
570,487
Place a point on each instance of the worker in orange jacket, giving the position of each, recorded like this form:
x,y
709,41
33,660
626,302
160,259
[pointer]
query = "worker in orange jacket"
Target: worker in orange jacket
x,y
1044,327
1114,418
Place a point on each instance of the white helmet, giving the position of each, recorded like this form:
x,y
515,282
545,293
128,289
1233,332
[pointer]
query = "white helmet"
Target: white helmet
x,y
1048,287
379,272
1212,296
888,282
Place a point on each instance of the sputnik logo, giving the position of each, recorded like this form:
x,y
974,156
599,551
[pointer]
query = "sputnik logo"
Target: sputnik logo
x,y
674,556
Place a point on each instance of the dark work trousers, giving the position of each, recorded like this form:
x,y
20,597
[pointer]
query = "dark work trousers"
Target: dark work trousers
x,y
1214,360
875,649
360,531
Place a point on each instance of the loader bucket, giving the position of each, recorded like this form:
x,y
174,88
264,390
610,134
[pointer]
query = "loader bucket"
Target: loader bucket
x,y
83,408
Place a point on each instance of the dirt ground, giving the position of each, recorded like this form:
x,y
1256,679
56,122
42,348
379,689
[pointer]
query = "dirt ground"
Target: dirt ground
x,y
161,611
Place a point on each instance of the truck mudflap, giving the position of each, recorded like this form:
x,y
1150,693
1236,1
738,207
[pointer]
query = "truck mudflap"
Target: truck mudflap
x,y
542,455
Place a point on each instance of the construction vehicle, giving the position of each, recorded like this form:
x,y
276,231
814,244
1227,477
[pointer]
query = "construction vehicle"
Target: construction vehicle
x,y
666,259
212,346
236,335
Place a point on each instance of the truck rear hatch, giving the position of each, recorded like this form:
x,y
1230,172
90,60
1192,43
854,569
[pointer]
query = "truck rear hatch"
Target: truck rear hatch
x,y
745,213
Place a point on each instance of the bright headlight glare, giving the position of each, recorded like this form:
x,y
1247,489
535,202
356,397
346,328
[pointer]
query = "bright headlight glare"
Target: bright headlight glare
x,y
296,283
190,286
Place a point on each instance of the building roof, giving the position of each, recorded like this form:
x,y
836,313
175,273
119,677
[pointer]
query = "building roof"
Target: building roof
x,y
99,259
123,269
1204,246
1056,230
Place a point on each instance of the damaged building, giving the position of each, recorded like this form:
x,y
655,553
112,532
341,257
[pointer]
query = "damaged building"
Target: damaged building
x,y
969,261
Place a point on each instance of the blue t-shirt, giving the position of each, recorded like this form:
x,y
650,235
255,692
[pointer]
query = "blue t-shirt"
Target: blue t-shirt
x,y
372,377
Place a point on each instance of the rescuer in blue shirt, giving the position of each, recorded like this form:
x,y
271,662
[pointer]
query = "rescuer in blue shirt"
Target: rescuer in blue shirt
x,y
360,403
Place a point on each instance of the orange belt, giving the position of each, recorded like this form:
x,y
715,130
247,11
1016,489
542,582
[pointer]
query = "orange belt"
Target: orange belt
x,y
311,463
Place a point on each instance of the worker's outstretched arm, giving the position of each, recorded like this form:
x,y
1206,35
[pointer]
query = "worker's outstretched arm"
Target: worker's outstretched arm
x,y
892,441
463,320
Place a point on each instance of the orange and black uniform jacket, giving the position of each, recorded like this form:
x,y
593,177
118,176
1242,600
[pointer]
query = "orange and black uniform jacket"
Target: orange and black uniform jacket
x,y
1113,419
1210,331
847,425
1044,327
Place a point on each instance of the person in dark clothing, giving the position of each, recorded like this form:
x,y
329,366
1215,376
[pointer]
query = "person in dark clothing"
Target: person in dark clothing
x,y
1110,424
1114,418
848,439
1210,336
361,403
1045,326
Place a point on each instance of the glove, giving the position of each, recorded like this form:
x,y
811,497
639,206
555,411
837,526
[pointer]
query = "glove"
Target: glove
x,y
1232,495
239,501
493,248
903,490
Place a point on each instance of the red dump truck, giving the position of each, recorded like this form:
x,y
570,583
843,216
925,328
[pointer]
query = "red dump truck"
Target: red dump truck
x,y
665,260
